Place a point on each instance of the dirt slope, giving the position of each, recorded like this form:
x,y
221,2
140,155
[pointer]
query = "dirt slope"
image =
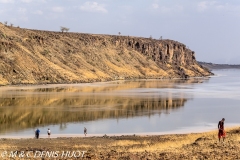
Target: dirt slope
x,y
40,57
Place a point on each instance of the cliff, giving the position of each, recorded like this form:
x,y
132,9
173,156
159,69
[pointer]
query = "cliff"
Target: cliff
x,y
40,57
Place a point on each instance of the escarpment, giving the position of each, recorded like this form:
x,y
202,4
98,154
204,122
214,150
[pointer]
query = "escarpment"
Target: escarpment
x,y
40,57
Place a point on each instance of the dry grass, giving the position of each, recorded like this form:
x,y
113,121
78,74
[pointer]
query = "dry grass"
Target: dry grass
x,y
183,146
173,142
126,143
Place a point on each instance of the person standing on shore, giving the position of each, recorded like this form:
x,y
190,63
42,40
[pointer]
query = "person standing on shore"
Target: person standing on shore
x,y
221,132
48,132
85,131
37,133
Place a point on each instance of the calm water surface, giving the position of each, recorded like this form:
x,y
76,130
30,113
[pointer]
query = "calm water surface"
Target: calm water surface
x,y
122,107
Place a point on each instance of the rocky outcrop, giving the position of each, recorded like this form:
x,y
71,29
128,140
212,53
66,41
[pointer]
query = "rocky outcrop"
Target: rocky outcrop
x,y
33,57
161,51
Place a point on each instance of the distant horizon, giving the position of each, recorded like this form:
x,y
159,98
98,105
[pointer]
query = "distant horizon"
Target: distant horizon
x,y
220,63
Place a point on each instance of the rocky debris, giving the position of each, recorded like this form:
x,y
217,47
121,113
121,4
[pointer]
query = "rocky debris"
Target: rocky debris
x,y
105,136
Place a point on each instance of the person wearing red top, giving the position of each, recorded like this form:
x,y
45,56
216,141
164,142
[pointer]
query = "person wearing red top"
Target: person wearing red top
x,y
221,132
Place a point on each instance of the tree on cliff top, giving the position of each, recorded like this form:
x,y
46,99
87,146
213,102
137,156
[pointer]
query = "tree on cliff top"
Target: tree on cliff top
x,y
64,29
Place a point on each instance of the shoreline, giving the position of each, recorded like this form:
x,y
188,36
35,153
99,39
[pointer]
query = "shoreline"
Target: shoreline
x,y
176,146
110,81
89,82
143,134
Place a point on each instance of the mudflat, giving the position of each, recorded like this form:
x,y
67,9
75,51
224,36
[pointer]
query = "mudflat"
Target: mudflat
x,y
134,147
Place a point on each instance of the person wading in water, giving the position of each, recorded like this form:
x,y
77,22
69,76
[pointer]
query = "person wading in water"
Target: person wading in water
x,y
221,132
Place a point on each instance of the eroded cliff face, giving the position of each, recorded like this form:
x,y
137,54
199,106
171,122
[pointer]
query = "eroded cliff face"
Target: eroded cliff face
x,y
164,51
39,57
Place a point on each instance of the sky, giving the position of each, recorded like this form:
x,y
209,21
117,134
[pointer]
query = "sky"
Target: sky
x,y
208,27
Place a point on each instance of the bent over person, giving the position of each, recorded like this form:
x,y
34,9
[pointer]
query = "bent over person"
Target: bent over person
x,y
221,132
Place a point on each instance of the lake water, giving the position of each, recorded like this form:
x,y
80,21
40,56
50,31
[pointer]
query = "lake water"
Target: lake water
x,y
122,107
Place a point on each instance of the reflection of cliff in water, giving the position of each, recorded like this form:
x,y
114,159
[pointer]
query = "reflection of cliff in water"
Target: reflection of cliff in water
x,y
30,107
14,117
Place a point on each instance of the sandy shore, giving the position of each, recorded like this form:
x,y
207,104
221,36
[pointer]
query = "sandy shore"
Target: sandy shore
x,y
174,146
179,131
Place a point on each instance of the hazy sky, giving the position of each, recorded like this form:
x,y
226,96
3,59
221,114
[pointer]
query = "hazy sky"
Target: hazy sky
x,y
210,28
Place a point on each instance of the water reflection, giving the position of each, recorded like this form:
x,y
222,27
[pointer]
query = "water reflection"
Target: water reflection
x,y
28,107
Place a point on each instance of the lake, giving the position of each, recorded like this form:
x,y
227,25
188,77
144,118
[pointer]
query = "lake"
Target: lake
x,y
122,107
